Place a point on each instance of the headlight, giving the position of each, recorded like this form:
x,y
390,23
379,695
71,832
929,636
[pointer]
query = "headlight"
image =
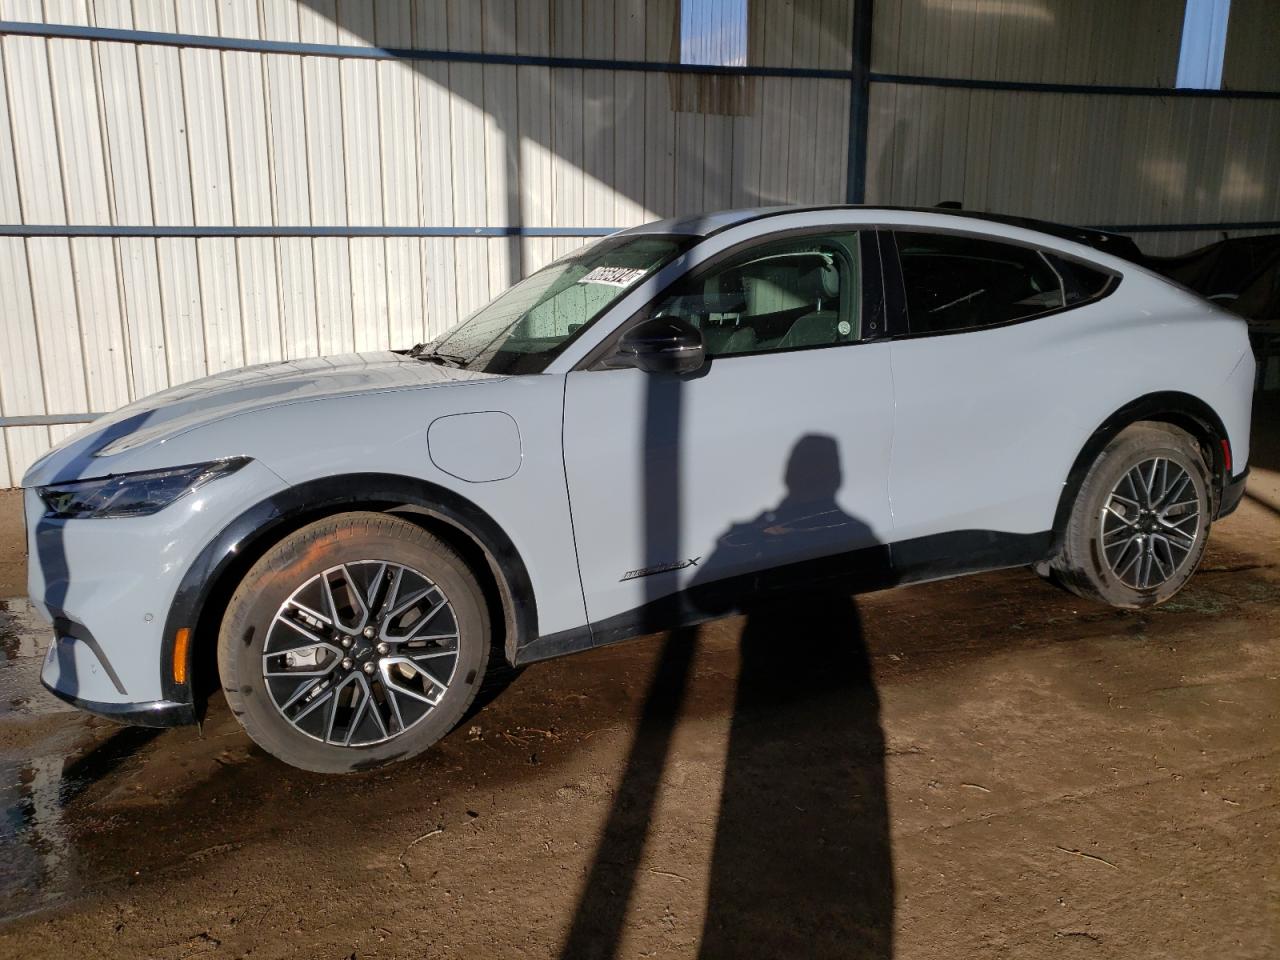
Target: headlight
x,y
132,494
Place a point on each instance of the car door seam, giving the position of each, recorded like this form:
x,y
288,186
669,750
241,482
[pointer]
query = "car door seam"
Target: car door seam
x,y
568,495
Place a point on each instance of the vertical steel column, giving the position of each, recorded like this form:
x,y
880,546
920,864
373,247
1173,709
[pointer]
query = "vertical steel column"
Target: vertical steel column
x,y
859,102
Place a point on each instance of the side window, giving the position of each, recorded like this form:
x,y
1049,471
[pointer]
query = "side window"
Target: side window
x,y
783,295
1080,284
956,282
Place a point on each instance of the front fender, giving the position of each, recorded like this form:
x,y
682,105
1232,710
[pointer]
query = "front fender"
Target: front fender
x,y
218,567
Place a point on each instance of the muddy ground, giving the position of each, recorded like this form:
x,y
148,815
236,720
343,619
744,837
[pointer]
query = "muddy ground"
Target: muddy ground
x,y
981,767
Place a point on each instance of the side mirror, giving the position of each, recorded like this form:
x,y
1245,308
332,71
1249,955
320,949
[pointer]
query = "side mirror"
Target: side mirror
x,y
661,345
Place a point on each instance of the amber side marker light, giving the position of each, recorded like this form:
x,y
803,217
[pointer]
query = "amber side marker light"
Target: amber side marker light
x,y
181,640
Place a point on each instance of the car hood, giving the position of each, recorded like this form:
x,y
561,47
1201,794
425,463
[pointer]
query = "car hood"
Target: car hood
x,y
174,411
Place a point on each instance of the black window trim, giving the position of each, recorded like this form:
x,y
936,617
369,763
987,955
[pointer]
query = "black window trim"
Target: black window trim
x,y
898,293
895,291
594,361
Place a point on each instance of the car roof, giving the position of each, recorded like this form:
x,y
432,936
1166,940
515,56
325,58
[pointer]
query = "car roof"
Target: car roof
x,y
704,225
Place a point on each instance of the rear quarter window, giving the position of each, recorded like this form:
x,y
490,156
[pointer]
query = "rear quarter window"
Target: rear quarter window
x,y
1080,283
955,282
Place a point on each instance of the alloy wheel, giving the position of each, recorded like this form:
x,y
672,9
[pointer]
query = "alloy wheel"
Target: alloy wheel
x,y
361,653
1150,523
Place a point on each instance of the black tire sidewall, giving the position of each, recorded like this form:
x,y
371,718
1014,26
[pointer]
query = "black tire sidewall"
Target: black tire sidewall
x,y
284,568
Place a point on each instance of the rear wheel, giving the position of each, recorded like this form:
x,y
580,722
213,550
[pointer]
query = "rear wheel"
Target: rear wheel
x,y
358,640
1140,521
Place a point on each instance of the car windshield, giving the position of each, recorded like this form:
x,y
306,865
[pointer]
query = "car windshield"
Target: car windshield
x,y
525,328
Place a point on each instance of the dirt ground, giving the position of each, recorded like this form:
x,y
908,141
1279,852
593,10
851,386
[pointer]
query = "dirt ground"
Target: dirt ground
x,y
980,767
13,554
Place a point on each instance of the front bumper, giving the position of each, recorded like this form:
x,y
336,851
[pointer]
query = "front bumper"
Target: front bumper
x,y
156,713
107,586
1232,494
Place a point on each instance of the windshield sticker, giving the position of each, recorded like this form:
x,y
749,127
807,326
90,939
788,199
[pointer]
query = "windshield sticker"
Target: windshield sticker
x,y
614,276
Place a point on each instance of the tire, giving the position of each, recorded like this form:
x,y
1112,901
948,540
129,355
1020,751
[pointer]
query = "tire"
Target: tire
x,y
376,637
1134,556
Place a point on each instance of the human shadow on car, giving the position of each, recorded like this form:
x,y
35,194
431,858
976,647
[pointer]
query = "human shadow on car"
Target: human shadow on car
x,y
801,862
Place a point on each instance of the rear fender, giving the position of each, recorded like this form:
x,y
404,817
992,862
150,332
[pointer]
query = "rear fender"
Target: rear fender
x,y
1179,409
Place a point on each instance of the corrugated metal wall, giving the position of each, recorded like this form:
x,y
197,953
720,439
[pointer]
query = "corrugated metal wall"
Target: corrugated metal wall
x,y
1077,158
1046,41
142,140
1253,39
115,133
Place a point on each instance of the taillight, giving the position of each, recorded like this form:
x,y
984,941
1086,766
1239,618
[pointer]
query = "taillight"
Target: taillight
x,y
1226,456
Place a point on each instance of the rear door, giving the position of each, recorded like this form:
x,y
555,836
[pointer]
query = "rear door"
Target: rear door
x,y
983,393
773,454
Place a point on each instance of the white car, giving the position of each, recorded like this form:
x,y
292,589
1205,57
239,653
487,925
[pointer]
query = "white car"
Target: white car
x,y
671,423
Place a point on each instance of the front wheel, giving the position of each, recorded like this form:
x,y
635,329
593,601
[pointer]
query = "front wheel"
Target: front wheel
x,y
1140,521
358,640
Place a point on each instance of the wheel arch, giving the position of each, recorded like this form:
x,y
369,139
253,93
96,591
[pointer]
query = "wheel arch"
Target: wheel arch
x,y
1175,408
201,597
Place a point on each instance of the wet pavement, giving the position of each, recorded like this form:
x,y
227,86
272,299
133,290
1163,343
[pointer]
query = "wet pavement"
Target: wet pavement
x,y
986,766
40,734
24,638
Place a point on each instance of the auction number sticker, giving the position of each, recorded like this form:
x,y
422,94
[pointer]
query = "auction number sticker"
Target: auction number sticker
x,y
614,276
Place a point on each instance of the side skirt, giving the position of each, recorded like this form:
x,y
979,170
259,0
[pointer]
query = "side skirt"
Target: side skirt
x,y
935,557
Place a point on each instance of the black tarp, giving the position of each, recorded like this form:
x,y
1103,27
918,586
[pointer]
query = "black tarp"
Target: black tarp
x,y
1242,275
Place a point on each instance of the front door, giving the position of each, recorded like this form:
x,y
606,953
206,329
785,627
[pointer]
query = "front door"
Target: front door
x,y
774,453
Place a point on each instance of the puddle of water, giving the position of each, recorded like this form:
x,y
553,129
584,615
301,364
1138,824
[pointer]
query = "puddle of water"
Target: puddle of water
x,y
49,755
34,847
24,638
